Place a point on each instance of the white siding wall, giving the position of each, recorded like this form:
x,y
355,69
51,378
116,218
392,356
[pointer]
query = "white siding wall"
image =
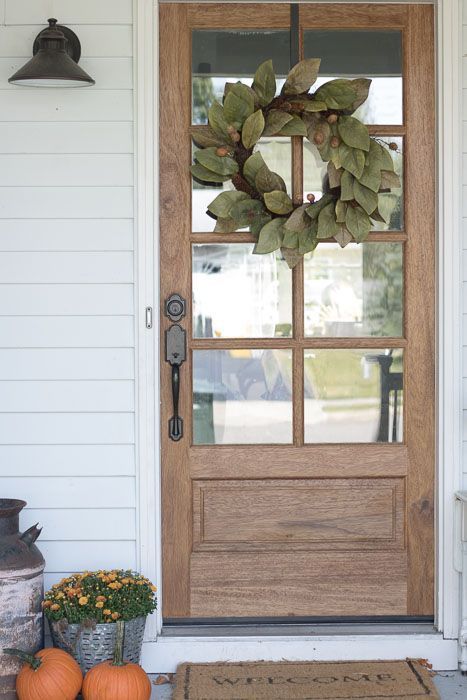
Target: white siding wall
x,y
66,289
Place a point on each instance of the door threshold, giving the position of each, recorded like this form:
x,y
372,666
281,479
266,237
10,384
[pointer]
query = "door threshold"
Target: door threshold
x,y
299,629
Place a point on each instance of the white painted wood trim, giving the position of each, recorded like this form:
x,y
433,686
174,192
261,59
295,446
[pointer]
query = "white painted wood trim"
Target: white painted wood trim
x,y
449,30
169,651
147,295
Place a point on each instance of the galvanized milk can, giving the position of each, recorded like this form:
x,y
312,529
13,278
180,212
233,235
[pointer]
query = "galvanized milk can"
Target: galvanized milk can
x,y
21,592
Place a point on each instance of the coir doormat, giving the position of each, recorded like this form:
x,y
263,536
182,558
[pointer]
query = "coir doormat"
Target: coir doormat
x,y
350,680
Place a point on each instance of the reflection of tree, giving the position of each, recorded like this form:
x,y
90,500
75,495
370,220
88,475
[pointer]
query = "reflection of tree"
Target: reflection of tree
x,y
382,297
203,97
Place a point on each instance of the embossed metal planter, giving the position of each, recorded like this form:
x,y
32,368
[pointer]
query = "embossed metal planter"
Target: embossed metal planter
x,y
21,592
90,645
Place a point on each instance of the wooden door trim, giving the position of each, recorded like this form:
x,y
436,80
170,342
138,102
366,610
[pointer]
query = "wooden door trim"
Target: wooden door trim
x,y
176,493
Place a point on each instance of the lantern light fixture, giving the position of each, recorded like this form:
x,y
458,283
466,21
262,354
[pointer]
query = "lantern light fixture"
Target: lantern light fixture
x,y
56,53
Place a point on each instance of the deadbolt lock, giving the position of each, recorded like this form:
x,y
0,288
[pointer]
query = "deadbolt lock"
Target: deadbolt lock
x,y
175,307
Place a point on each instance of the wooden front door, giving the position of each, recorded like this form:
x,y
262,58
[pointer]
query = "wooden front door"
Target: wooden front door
x,y
302,484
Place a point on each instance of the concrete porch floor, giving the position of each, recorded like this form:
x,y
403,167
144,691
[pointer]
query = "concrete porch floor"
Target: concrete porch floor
x,y
451,686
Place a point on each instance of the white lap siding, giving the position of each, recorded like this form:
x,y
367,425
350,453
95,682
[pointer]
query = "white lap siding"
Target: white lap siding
x,y
67,342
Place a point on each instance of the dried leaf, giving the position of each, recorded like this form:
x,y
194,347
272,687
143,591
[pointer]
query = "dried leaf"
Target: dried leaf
x,y
264,83
278,202
352,159
327,225
217,120
276,119
367,199
252,129
220,165
337,94
252,166
354,133
267,181
270,237
358,223
302,76
294,127
202,174
224,202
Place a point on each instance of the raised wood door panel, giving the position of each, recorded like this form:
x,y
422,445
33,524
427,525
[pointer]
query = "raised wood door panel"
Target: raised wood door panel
x,y
301,529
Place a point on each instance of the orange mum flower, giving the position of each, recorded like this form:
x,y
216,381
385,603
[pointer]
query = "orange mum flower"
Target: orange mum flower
x,y
83,600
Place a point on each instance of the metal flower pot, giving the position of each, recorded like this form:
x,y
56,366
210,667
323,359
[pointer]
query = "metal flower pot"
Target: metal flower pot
x,y
91,643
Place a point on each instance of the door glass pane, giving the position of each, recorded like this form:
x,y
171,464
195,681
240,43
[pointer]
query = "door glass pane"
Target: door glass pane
x,y
355,291
353,396
277,155
240,295
242,396
362,53
390,203
231,55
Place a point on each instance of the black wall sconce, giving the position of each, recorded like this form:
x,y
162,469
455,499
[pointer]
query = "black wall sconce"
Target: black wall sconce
x,y
56,53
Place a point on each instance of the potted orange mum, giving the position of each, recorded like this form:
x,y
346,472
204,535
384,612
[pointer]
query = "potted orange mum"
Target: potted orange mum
x,y
82,610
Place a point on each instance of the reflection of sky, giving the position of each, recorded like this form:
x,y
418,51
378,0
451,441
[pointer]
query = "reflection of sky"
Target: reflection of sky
x,y
383,106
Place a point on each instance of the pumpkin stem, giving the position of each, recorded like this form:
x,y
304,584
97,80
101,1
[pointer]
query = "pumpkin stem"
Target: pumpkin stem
x,y
33,661
118,652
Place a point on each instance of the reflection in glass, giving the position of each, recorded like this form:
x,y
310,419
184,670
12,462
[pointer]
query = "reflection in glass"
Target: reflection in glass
x,y
353,396
240,295
355,291
242,397
231,55
390,203
362,53
277,155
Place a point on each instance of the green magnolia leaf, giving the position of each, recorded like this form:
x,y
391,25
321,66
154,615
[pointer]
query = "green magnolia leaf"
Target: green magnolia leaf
x,y
377,216
294,127
371,177
202,174
264,83
354,133
227,225
362,88
252,166
245,92
387,162
204,137
319,133
314,106
341,210
302,76
389,180
221,165
352,159
327,225
343,236
297,221
314,209
275,121
347,181
334,175
224,202
358,223
267,181
337,94
217,120
258,223
278,202
270,237
252,129
291,256
246,211
307,240
290,239
238,105
367,199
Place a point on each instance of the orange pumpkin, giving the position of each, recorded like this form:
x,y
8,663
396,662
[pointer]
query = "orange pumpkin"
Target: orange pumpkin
x,y
51,674
117,680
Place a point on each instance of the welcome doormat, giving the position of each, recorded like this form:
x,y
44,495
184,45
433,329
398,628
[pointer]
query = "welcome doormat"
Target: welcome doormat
x,y
348,680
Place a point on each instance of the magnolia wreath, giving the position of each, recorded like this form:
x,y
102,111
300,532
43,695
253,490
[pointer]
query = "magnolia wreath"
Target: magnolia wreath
x,y
359,168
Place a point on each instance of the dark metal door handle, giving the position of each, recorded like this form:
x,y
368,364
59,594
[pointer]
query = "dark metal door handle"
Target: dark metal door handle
x,y
175,355
175,423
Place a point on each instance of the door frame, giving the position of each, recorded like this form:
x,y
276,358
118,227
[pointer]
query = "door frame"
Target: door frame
x,y
449,368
